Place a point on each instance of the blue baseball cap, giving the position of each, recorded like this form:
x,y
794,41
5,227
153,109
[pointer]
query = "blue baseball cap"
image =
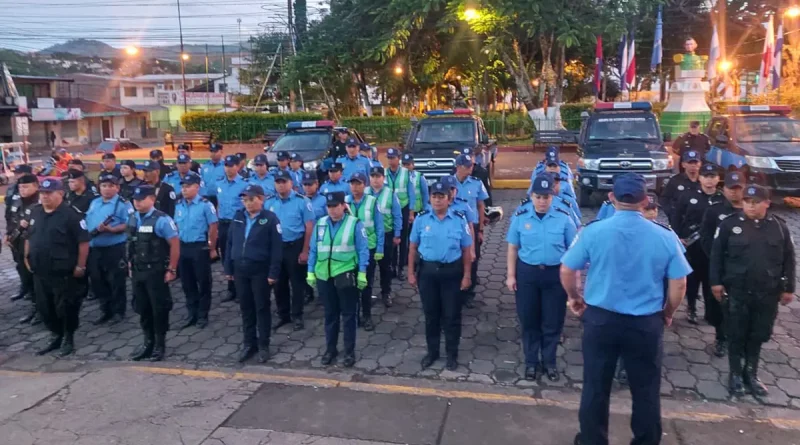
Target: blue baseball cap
x,y
352,142
756,192
392,153
690,156
282,175
552,149
150,166
191,178
260,159
184,158
450,180
143,191
107,178
543,184
309,177
464,160
51,185
408,158
216,146
734,179
252,190
376,170
467,151
334,199
336,167
156,154
294,157
358,176
231,160
241,155
440,188
708,170
365,147
551,158
283,155
630,188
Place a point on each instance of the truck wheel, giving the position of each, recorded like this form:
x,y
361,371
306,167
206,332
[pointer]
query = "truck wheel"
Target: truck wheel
x,y
584,197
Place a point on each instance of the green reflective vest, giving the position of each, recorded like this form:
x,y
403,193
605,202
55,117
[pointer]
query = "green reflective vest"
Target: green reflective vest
x,y
384,206
365,213
399,185
338,255
416,181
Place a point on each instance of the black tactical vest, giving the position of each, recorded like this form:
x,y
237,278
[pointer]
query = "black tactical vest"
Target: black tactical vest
x,y
146,249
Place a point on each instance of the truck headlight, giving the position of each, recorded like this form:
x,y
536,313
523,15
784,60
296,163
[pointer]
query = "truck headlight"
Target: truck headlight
x,y
589,164
663,164
761,162
311,165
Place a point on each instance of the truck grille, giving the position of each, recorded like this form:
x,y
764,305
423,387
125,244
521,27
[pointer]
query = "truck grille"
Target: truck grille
x,y
434,168
625,165
788,164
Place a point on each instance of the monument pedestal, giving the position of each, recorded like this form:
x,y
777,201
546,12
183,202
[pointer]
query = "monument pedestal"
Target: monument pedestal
x,y
687,102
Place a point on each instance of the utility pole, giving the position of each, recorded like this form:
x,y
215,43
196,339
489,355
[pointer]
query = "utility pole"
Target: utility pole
x,y
224,74
292,106
183,57
208,98
241,64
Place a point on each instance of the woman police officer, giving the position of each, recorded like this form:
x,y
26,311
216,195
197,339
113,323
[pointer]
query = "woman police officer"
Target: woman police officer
x,y
538,236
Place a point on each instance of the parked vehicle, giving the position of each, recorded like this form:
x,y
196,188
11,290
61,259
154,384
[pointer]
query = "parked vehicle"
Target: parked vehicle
x,y
114,145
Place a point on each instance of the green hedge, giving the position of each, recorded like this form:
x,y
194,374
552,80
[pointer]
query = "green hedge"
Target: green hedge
x,y
571,114
240,126
379,128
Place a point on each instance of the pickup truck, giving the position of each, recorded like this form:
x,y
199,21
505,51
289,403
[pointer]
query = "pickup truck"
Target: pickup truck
x,y
761,141
621,137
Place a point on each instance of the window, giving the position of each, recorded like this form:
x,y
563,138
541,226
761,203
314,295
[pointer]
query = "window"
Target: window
x,y
223,88
716,128
149,92
170,87
130,92
114,93
160,86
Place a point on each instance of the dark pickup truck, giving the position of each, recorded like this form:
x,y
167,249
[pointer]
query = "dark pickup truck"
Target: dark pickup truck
x,y
621,137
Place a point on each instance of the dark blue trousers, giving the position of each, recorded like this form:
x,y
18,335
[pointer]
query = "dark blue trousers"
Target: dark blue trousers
x,y
440,293
252,288
638,340
195,268
340,309
541,308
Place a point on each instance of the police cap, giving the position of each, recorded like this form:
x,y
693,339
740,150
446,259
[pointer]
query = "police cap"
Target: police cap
x,y
551,158
734,179
450,180
156,154
309,177
335,167
183,147
282,175
75,162
376,171
73,173
690,156
216,146
184,158
408,158
333,199
352,142
231,160
294,157
150,166
756,192
23,168
464,160
283,156
108,156
543,184
108,178
191,178
252,190
260,159
440,188
241,155
51,185
709,170
130,163
30,178
143,191
392,153
365,147
359,177
630,188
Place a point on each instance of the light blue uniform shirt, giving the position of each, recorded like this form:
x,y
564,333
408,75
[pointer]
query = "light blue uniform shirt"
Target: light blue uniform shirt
x,y
338,186
375,163
228,200
564,204
352,165
164,228
380,231
397,214
210,173
174,178
440,240
391,177
541,241
471,190
540,168
297,179
318,206
193,219
293,212
606,210
459,205
98,211
630,258
362,245
249,222
267,182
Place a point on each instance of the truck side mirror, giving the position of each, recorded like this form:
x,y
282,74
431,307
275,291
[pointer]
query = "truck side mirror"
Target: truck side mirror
x,y
722,139
484,139
668,137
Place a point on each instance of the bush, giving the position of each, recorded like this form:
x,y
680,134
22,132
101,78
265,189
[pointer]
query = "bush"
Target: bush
x,y
377,129
241,126
571,114
517,124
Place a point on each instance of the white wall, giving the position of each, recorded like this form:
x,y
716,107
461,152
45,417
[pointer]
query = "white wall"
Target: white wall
x,y
117,124
140,99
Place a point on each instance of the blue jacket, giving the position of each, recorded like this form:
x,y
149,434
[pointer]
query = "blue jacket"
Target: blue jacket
x,y
263,248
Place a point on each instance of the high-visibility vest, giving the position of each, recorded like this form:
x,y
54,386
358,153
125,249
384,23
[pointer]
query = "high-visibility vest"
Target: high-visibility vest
x,y
385,207
366,214
400,185
416,182
338,255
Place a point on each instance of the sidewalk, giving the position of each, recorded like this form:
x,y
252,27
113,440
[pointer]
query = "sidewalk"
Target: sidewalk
x,y
91,403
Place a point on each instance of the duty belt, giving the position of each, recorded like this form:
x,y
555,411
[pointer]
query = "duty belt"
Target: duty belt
x,y
441,265
225,221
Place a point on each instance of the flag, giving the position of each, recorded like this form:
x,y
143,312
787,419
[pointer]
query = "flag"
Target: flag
x,y
765,70
598,65
630,71
622,60
657,48
713,55
777,58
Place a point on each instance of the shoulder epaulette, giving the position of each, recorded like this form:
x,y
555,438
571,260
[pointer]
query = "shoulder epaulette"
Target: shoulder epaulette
x,y
562,211
521,211
424,212
567,203
608,202
460,214
778,218
662,225
525,201
592,222
472,177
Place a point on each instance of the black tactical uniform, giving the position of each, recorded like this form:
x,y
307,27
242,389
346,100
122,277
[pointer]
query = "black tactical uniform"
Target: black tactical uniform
x,y
691,142
165,198
754,260
53,240
714,215
19,209
677,185
339,148
80,202
126,187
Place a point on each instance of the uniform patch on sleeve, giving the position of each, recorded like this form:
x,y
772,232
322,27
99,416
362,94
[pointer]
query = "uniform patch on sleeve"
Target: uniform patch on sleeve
x,y
83,224
172,224
172,195
716,234
278,227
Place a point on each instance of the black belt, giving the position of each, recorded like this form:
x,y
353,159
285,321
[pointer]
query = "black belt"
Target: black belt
x,y
541,266
441,265
194,243
292,243
225,221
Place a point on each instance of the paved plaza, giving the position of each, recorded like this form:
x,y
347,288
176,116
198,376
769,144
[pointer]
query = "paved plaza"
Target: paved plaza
x,y
490,349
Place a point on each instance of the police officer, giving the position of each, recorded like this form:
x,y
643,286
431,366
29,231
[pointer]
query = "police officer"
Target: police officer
x,y
606,210
244,171
56,250
211,171
679,184
752,270
196,219
552,152
78,197
693,140
106,221
366,150
109,165
473,190
311,191
283,160
255,269
365,208
539,235
443,241
229,187
182,168
297,220
419,183
128,182
18,214
688,217
262,176
398,179
337,265
553,166
623,311
339,147
335,183
296,170
184,149
733,191
165,193
158,157
389,206
480,170
19,171
77,164
563,201
153,251
353,162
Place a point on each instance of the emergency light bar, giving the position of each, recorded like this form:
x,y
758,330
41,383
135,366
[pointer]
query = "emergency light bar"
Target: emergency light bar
x,y
605,106
458,111
742,109
310,124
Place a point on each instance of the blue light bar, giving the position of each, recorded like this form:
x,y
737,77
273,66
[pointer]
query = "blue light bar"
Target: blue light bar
x,y
310,124
614,106
461,111
778,109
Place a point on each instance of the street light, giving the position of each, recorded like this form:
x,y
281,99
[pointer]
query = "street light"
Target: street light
x,y
792,12
185,56
131,51
725,66
398,70
471,14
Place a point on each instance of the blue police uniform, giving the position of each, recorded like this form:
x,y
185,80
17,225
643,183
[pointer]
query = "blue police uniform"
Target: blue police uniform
x,y
107,264
606,211
256,253
352,165
194,218
473,191
339,186
228,203
375,163
565,170
380,247
294,212
297,179
541,240
211,172
630,258
267,183
318,205
440,242
459,205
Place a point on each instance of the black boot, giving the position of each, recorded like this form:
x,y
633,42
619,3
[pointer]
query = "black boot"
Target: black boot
x,y
735,385
145,350
55,343
159,349
750,375
20,295
68,345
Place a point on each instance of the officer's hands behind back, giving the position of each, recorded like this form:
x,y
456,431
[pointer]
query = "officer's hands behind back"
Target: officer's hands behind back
x,y
786,298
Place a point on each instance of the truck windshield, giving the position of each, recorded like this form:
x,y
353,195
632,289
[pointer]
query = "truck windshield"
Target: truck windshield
x,y
441,132
623,127
302,141
768,129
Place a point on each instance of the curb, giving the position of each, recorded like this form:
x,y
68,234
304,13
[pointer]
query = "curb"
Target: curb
x,y
508,184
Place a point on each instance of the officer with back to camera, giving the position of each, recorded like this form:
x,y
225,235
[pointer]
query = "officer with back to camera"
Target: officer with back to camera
x,y
255,252
752,270
229,187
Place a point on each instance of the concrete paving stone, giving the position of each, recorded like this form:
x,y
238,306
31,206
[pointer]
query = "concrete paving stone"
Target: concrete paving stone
x,y
789,386
505,376
776,397
574,372
768,356
675,363
481,366
373,351
480,378
681,379
468,332
379,339
703,372
397,346
187,348
507,334
712,390
693,343
249,436
781,370
696,356
390,360
573,357
485,352
306,354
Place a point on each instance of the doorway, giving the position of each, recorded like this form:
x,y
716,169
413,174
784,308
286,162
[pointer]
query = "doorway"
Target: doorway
x,y
106,129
